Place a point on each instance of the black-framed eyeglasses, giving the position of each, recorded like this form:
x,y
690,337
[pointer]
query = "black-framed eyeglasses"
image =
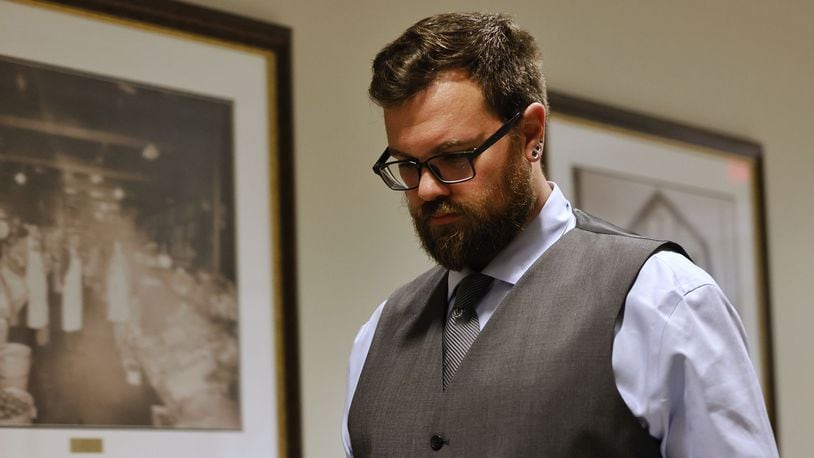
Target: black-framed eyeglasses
x,y
449,168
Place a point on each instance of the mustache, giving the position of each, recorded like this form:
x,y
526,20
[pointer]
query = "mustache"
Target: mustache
x,y
437,207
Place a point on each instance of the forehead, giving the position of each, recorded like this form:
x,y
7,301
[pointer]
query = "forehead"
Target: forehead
x,y
450,109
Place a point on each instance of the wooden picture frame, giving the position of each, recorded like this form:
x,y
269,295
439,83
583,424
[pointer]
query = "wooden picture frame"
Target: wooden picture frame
x,y
666,179
181,52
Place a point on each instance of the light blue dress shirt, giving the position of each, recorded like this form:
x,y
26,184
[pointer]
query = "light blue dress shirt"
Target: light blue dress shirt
x,y
679,356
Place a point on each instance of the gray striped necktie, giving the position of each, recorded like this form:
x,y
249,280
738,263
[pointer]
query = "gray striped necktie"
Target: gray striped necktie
x,y
462,327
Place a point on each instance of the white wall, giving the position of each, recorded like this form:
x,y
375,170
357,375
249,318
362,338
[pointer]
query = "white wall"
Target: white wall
x,y
739,67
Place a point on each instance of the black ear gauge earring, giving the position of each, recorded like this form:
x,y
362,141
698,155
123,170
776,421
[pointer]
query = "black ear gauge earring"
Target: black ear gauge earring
x,y
536,152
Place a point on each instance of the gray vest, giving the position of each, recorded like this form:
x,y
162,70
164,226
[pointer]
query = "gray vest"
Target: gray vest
x,y
538,381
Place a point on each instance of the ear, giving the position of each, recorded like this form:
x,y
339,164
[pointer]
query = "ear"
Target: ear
x,y
533,129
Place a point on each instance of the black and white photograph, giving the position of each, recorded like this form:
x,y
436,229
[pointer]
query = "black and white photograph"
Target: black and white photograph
x,y
117,253
146,232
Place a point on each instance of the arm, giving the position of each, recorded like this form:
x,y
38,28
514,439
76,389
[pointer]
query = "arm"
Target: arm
x,y
358,354
682,366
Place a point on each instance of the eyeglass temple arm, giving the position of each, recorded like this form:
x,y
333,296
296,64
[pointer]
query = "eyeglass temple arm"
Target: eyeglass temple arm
x,y
504,129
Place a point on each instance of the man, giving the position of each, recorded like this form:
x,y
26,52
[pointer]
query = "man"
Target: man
x,y
543,331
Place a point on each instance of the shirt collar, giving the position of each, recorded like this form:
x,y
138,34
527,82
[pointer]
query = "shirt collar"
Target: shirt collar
x,y
555,219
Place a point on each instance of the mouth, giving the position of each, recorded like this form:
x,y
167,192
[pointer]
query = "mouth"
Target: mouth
x,y
444,218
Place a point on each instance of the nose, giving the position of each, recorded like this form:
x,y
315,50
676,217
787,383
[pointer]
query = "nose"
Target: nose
x,y
429,188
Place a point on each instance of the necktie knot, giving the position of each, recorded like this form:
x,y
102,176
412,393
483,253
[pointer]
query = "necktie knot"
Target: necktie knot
x,y
471,289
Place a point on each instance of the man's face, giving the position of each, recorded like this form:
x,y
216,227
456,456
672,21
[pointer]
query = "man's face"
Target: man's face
x,y
463,224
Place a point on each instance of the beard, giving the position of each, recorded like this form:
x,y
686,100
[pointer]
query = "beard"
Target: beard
x,y
485,225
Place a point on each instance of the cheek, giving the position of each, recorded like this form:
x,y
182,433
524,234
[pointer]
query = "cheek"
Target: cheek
x,y
489,171
483,187
412,200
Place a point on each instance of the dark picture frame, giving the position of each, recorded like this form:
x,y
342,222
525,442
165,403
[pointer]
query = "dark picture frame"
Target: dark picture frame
x,y
265,42
594,147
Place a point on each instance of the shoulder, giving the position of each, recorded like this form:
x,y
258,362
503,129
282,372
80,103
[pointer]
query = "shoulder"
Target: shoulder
x,y
419,286
671,292
673,269
621,240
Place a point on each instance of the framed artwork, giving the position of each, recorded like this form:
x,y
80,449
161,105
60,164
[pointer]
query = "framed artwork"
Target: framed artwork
x,y
666,180
147,265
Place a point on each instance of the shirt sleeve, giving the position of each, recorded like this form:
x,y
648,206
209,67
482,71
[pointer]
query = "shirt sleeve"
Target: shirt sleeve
x,y
358,354
682,366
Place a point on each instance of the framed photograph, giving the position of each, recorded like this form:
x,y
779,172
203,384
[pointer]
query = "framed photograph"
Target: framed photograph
x,y
147,265
670,181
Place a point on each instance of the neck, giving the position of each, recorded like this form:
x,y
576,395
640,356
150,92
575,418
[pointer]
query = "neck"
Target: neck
x,y
541,191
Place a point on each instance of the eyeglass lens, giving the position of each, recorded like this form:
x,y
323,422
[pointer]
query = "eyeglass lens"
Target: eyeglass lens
x,y
449,168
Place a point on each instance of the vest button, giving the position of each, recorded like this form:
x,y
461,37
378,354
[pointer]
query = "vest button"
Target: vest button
x,y
436,442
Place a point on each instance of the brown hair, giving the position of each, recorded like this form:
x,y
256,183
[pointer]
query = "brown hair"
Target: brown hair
x,y
503,59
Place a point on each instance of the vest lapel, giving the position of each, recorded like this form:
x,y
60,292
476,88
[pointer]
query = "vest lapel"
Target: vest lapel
x,y
428,325
516,308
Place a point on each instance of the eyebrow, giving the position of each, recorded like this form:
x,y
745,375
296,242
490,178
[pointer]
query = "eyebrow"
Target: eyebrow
x,y
400,155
